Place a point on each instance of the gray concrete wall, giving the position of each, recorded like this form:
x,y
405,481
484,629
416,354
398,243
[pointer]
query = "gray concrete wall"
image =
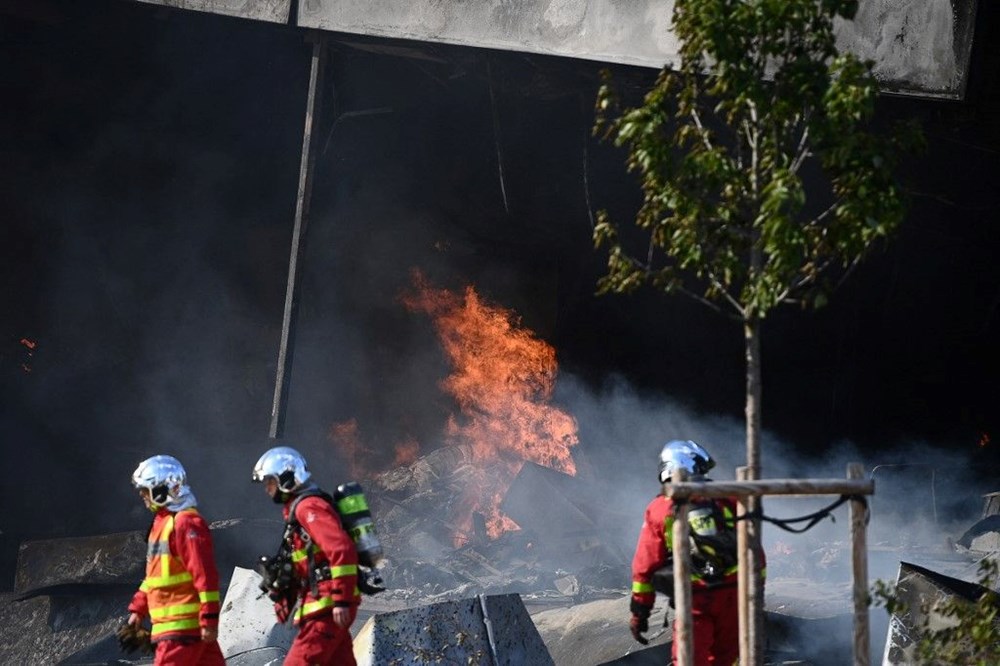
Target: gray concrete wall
x,y
920,47
634,32
275,11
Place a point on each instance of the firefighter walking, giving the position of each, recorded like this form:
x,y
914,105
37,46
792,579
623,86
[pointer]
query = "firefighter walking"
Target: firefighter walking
x,y
180,593
714,609
323,588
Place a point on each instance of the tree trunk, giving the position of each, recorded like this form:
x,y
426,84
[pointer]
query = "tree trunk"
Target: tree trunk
x,y
751,336
755,601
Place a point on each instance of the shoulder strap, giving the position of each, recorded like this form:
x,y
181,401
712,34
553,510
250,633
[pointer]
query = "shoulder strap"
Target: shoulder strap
x,y
292,520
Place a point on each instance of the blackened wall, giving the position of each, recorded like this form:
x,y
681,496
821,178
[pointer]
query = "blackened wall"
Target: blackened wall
x,y
148,188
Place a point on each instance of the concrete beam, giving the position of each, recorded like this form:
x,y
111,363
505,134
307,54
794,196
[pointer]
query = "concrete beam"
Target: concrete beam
x,y
920,47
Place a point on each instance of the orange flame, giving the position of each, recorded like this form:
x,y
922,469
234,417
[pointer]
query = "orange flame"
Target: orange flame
x,y
984,440
502,379
345,436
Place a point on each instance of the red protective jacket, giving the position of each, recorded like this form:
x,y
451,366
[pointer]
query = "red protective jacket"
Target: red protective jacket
x,y
328,544
189,543
652,551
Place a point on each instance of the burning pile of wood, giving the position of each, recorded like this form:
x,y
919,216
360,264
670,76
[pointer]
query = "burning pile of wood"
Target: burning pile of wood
x,y
436,542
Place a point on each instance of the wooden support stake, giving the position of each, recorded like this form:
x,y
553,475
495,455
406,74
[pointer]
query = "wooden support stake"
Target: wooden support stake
x,y
804,487
681,546
859,561
743,572
750,583
298,230
755,588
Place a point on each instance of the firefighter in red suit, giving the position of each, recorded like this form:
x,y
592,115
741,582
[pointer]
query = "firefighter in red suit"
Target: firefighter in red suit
x,y
180,593
714,610
325,562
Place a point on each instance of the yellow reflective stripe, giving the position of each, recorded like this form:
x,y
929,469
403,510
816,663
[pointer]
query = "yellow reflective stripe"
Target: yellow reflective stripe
x,y
167,581
144,586
208,596
176,625
165,539
300,554
641,588
161,549
344,570
313,606
178,609
352,504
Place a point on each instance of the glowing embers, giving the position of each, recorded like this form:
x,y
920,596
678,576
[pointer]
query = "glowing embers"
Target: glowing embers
x,y
30,346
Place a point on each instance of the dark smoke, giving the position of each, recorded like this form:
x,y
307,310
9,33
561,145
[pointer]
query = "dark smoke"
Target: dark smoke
x,y
152,160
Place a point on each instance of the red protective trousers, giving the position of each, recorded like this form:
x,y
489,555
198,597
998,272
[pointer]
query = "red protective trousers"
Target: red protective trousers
x,y
715,627
320,642
188,653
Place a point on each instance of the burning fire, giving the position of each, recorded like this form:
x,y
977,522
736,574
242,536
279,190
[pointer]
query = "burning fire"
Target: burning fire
x,y
502,380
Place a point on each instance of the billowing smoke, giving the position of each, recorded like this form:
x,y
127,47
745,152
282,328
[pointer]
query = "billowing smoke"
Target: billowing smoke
x,y
147,245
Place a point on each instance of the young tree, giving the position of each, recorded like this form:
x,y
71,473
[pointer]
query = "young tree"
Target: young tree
x,y
723,144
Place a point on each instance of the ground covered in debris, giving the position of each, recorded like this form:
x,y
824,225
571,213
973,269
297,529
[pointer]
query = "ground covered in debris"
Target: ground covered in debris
x,y
564,561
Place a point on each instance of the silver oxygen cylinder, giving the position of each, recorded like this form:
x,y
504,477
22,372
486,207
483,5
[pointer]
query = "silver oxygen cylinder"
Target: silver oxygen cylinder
x,y
357,519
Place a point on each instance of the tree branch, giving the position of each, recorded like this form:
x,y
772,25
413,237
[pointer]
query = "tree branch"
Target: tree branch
x,y
802,151
712,304
701,128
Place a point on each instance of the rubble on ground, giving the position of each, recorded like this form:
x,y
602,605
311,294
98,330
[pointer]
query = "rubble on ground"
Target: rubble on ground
x,y
561,561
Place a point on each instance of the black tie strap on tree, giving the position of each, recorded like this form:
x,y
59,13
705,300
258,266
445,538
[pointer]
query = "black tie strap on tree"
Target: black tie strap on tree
x,y
813,518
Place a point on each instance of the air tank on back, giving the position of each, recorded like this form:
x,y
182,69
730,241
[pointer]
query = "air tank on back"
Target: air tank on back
x,y
357,518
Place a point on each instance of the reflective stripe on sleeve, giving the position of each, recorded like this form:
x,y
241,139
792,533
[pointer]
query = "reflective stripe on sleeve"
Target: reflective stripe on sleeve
x,y
344,570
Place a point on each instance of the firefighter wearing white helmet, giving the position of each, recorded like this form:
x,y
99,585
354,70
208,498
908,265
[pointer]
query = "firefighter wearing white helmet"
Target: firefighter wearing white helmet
x,y
685,455
180,592
324,563
714,573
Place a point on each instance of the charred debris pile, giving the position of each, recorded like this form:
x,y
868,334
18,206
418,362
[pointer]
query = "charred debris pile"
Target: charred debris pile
x,y
541,535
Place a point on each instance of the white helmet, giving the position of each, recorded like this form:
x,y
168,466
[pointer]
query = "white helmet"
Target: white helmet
x,y
686,455
286,465
166,480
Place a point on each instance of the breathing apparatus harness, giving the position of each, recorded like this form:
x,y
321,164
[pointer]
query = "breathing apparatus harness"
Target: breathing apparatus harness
x,y
278,573
278,580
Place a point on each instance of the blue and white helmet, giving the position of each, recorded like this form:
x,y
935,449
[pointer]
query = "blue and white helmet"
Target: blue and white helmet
x,y
165,479
286,465
686,455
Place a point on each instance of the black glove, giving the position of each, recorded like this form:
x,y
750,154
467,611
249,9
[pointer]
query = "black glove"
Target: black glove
x,y
639,624
132,638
